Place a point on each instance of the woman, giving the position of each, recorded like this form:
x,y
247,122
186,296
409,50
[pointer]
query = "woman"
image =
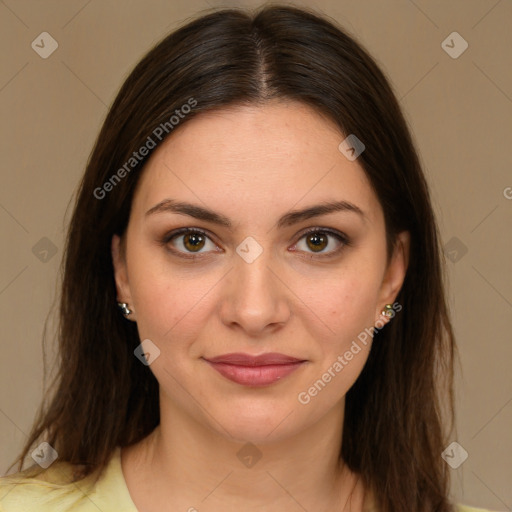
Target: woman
x,y
255,206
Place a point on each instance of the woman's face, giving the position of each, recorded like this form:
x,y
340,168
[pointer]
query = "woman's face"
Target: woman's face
x,y
253,281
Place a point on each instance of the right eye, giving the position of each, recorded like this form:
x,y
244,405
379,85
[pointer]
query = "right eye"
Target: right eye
x,y
191,240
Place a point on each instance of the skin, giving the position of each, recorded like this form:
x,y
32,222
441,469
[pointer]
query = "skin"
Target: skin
x,y
252,164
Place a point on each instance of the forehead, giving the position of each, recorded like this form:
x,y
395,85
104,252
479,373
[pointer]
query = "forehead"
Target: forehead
x,y
276,155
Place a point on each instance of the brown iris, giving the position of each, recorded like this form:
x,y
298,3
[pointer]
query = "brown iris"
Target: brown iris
x,y
317,241
193,241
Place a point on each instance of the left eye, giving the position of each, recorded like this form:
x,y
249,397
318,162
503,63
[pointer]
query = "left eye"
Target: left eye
x,y
318,240
192,240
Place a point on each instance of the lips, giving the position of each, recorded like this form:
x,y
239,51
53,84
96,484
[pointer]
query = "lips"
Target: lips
x,y
261,370
248,360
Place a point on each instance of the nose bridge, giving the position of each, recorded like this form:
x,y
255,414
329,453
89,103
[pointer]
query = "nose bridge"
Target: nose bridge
x,y
255,298
255,275
252,272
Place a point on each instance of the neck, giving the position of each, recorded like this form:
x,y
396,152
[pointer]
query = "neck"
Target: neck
x,y
188,465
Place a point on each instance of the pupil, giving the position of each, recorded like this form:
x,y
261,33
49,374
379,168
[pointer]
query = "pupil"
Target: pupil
x,y
194,240
317,240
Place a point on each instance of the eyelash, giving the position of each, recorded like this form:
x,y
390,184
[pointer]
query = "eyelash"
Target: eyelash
x,y
341,237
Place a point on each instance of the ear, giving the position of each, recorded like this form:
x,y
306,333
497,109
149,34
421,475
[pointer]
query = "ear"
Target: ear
x,y
121,274
394,276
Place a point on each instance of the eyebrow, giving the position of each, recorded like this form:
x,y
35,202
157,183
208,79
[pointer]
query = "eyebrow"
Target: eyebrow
x,y
288,219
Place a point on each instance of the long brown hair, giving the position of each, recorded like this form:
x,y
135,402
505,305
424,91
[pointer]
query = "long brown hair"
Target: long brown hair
x,y
398,409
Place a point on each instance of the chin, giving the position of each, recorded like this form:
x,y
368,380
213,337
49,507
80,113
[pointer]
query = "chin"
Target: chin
x,y
256,424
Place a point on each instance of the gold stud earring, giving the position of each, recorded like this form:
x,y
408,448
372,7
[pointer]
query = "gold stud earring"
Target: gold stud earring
x,y
388,310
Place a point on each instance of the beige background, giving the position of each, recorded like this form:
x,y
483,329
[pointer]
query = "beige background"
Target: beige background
x,y
460,111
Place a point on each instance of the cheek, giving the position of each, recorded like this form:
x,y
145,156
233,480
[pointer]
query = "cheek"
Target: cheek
x,y
170,306
345,301
347,306
352,306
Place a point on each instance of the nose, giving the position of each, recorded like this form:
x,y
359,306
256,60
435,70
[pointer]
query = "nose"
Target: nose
x,y
255,299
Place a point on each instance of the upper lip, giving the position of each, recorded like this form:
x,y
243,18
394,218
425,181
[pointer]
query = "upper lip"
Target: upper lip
x,y
241,359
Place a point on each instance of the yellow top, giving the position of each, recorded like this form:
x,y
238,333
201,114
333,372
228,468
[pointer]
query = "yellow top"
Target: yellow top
x,y
51,491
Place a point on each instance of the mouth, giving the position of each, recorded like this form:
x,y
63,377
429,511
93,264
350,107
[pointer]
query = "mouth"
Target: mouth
x,y
255,371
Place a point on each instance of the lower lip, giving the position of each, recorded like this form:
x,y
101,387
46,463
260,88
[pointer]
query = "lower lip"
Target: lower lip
x,y
255,375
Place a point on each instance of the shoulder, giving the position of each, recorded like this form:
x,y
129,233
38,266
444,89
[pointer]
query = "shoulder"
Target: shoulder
x,y
54,490
50,489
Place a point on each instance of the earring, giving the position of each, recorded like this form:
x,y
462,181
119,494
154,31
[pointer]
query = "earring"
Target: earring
x,y
388,310
123,306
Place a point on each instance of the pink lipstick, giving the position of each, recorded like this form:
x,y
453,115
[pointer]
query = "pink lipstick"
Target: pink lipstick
x,y
261,370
